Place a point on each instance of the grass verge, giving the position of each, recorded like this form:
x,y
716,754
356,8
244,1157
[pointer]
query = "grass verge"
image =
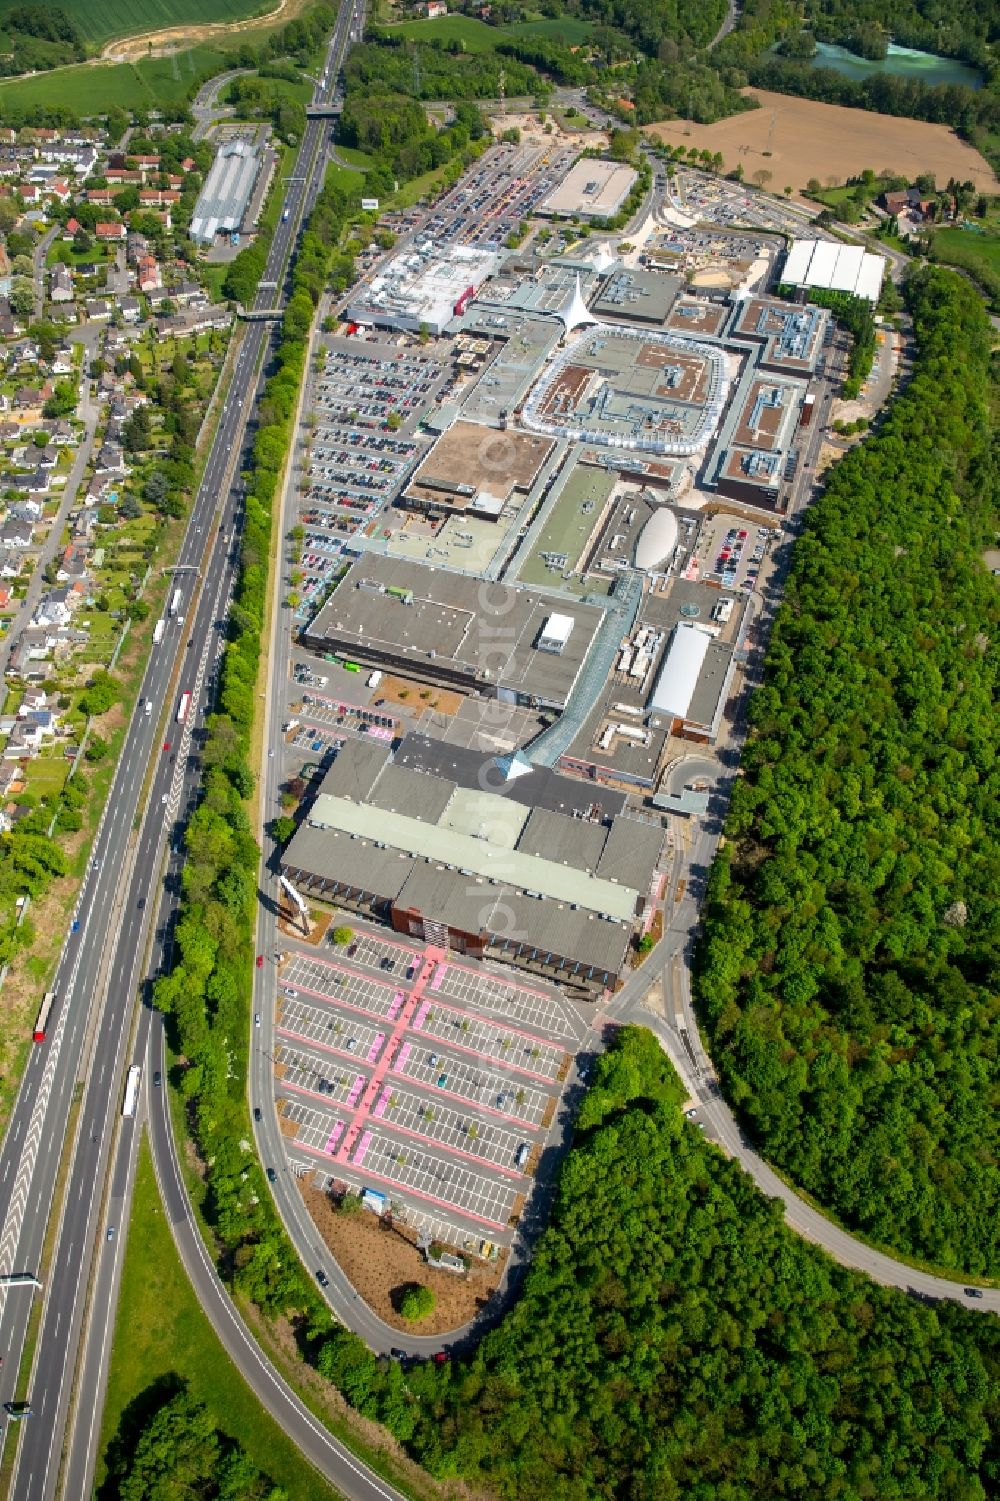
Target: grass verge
x,y
161,1332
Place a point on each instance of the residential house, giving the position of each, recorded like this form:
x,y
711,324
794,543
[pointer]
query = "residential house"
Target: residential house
x,y
33,482
61,433
188,291
27,398
148,274
8,323
11,562
103,197
69,233
110,232
34,698
16,535
30,192
158,198
97,309
434,9
61,289
53,608
72,564
905,201
137,246
110,460
46,720
131,309
25,738
30,510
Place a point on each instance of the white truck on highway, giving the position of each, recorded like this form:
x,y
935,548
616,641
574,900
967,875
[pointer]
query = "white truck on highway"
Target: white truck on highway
x,y
175,603
158,629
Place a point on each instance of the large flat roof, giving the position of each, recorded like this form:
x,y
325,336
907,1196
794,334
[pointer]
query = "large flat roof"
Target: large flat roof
x,y
423,619
539,788
634,293
477,857
593,188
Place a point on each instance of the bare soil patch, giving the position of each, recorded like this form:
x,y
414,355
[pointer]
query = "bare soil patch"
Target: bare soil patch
x,y
381,1261
394,690
133,49
290,923
807,139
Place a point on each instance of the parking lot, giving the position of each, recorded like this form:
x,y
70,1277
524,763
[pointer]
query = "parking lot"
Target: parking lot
x,y
500,190
399,1065
431,1175
362,387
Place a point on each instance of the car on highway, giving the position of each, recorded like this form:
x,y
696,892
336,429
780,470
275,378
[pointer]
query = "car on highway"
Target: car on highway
x,y
973,1292
256,1112
397,1354
157,1079
112,1232
272,1176
322,1278
256,1018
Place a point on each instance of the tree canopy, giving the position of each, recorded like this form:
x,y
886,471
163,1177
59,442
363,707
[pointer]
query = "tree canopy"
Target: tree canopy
x,y
852,944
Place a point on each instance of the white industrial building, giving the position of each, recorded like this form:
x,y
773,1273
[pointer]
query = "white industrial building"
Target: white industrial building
x,y
223,200
828,265
424,288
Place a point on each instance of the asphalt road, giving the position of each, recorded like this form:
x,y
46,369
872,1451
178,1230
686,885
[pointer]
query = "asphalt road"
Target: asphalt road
x,y
91,1029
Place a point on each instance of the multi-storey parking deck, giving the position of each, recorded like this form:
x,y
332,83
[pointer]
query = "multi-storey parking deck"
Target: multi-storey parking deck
x,y
433,1175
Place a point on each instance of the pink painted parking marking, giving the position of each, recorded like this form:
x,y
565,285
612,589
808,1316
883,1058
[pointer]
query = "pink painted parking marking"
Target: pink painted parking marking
x,y
397,1002
356,1088
363,1145
421,1016
404,1053
334,1137
383,1101
439,975
373,1051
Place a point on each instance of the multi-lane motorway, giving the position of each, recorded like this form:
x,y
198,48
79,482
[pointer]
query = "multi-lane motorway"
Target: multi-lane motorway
x,y
90,1033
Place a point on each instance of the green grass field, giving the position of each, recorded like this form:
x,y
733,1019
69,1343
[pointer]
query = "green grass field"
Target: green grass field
x,y
99,20
978,254
475,35
478,37
161,1332
90,89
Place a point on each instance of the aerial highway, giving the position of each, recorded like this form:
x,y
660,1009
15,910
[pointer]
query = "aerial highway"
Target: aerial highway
x,y
90,1031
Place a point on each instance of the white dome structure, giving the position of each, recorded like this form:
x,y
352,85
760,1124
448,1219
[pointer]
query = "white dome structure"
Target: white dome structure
x,y
657,541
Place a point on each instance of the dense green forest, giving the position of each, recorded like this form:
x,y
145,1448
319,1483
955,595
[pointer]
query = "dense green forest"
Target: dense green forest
x,y
179,1453
964,28
34,38
852,930
675,1340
